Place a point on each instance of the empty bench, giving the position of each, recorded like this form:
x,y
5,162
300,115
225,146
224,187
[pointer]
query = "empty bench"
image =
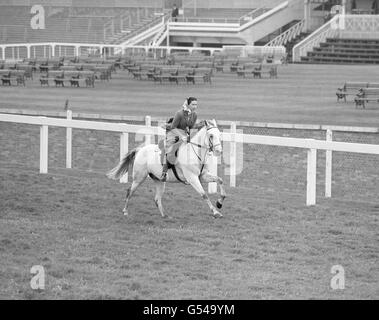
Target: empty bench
x,y
270,69
366,95
74,78
350,88
16,76
204,74
247,69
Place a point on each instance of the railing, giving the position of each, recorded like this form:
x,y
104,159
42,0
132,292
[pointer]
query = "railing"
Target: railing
x,y
136,35
162,33
252,15
360,26
207,20
14,51
231,137
288,35
328,30
264,15
232,25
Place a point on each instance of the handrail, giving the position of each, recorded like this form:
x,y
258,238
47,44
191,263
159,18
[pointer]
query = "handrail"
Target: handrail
x,y
329,29
206,20
264,15
252,14
137,32
162,33
288,35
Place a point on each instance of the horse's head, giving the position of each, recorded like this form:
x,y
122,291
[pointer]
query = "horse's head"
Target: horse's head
x,y
213,140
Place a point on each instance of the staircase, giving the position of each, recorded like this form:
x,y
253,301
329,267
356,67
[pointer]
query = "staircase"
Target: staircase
x,y
126,33
290,44
345,51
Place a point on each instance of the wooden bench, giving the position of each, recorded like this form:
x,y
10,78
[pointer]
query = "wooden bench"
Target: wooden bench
x,y
142,71
204,74
352,88
269,69
234,66
58,78
365,95
219,66
7,76
74,78
165,74
28,69
103,72
181,75
246,69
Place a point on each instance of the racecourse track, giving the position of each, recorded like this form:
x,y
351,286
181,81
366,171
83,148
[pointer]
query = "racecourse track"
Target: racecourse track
x,y
269,245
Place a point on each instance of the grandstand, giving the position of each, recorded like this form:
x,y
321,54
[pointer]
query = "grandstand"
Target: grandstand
x,y
73,24
303,28
345,51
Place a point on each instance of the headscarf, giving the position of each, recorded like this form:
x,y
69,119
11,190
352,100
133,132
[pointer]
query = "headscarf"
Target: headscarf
x,y
185,107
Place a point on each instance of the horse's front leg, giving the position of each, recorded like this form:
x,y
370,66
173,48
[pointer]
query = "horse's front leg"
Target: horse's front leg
x,y
207,178
195,183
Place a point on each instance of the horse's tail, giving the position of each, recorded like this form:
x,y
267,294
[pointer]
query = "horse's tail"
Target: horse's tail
x,y
123,166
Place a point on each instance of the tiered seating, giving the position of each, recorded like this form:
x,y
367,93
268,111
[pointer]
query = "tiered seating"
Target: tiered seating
x,y
14,24
345,51
89,25
136,22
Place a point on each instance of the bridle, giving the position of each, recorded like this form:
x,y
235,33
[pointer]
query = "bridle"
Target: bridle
x,y
210,147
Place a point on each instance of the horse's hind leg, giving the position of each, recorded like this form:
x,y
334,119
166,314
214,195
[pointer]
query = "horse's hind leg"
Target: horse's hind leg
x,y
159,187
130,192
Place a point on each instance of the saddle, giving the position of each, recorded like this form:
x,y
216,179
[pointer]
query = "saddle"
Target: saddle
x,y
162,148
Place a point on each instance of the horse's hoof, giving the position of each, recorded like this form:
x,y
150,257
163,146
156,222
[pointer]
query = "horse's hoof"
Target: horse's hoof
x,y
167,217
125,212
217,215
218,204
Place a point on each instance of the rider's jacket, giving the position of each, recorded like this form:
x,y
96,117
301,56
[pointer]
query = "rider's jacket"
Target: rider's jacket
x,y
183,120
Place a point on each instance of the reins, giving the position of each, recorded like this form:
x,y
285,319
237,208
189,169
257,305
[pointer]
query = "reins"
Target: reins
x,y
209,149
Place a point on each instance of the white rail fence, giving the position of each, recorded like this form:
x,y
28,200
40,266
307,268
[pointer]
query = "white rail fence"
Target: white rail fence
x,y
47,50
231,137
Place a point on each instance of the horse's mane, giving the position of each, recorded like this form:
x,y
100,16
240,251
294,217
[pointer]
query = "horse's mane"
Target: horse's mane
x,y
206,123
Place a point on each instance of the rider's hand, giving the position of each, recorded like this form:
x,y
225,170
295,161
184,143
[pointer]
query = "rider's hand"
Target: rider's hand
x,y
184,139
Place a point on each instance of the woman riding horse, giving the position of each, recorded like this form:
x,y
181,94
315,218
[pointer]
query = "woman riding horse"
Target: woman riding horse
x,y
191,166
184,120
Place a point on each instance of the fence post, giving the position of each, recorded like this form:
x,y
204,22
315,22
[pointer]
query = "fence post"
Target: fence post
x,y
233,154
328,166
148,124
69,142
124,148
43,151
311,176
212,163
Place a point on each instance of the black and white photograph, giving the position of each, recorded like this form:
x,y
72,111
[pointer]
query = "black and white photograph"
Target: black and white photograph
x,y
198,151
